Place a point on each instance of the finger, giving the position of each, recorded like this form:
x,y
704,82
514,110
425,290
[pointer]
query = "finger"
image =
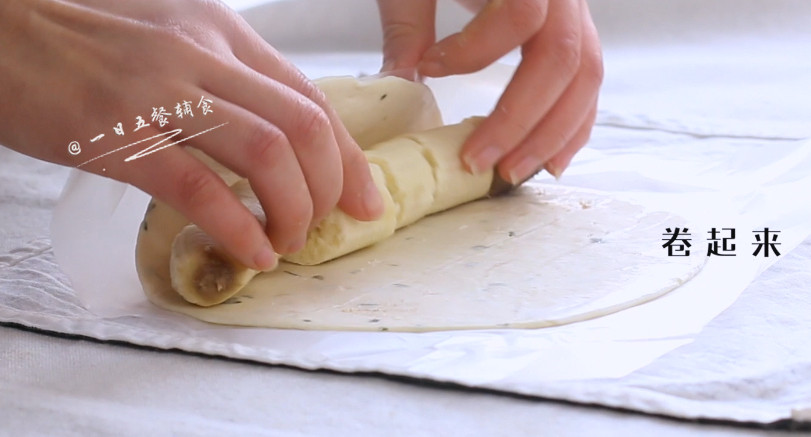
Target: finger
x,y
360,193
560,128
359,198
472,5
499,27
187,185
593,65
548,139
558,163
304,123
259,150
408,31
550,62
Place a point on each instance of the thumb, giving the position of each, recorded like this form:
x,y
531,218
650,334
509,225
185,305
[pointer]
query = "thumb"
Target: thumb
x,y
408,31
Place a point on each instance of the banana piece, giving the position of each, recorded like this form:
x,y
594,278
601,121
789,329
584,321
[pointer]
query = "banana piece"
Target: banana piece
x,y
202,273
201,270
377,109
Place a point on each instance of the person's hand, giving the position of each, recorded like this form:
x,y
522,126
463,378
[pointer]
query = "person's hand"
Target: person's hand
x,y
73,70
548,109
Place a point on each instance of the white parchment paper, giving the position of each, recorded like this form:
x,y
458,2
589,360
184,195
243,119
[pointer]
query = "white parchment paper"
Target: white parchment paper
x,y
97,220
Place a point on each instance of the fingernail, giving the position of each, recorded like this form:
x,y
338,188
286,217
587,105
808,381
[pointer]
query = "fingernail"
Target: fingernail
x,y
553,170
265,260
483,160
372,201
527,167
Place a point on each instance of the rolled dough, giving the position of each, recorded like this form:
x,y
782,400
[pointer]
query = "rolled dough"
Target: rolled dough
x,y
376,109
541,256
339,234
406,174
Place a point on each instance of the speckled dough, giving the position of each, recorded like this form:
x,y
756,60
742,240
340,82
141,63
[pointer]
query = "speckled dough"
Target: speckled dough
x,y
204,274
454,184
375,110
339,234
542,256
409,177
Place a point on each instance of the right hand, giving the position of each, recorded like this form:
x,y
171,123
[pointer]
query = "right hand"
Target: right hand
x,y
547,111
72,70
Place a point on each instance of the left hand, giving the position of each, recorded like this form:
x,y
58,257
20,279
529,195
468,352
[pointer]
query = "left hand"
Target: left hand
x,y
547,111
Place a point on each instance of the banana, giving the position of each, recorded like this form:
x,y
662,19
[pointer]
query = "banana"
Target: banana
x,y
202,272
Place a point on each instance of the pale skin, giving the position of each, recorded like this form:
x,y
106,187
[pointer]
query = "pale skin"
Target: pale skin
x,y
72,69
547,111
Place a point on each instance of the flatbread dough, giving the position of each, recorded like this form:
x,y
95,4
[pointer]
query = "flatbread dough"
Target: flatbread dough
x,y
376,109
541,256
454,184
409,178
411,175
339,234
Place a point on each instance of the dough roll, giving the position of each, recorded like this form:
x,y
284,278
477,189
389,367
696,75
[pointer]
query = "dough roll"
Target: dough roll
x,y
416,174
441,147
409,177
377,109
339,234
201,271
422,173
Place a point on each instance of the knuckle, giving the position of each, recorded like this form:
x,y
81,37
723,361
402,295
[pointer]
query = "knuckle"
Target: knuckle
x,y
173,33
526,16
593,66
197,188
312,122
566,51
557,140
396,32
517,123
309,90
265,144
315,94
